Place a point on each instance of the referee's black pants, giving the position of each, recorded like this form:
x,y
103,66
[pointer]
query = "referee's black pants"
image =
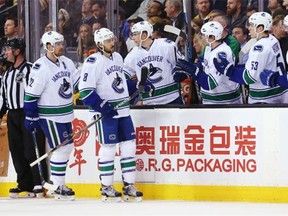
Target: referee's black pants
x,y
22,150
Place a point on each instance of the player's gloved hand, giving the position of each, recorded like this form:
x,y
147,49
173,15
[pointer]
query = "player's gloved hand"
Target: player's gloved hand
x,y
188,67
179,75
32,121
223,66
149,88
269,78
107,109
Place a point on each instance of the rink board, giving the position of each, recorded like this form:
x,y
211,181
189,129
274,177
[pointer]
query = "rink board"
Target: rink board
x,y
231,154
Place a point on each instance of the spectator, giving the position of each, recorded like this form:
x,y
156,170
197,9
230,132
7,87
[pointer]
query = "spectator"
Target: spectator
x,y
65,27
87,13
285,4
142,10
242,36
98,24
174,11
274,5
198,45
158,32
99,9
203,8
86,45
196,24
235,13
249,11
155,8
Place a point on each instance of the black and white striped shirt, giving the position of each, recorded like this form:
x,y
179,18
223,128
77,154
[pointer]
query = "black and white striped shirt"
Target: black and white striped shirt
x,y
13,85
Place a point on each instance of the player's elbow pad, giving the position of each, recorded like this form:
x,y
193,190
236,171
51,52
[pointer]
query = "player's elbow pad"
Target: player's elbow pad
x,y
203,80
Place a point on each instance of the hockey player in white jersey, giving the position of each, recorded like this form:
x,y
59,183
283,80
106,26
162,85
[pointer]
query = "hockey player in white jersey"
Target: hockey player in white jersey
x,y
159,56
215,88
274,78
264,54
49,104
102,87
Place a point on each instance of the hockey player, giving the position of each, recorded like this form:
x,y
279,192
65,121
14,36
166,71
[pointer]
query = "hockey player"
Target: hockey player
x,y
265,53
49,104
215,88
102,86
20,140
160,56
274,78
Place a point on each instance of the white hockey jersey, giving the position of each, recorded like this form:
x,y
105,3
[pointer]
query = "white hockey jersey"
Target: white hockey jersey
x,y
160,59
52,84
264,54
106,77
222,89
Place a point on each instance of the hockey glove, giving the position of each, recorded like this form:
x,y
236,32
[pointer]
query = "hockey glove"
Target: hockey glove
x,y
32,121
223,66
272,78
179,75
149,88
188,67
106,109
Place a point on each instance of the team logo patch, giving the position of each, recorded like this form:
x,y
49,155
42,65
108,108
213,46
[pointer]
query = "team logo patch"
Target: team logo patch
x,y
64,87
154,71
112,137
91,60
116,84
222,55
258,48
36,66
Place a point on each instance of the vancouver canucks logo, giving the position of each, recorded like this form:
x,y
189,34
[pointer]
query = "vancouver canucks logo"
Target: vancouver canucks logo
x,y
154,72
64,87
116,84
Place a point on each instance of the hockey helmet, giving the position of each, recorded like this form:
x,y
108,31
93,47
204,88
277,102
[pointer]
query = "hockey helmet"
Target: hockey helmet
x,y
212,28
261,18
51,37
141,27
103,34
16,43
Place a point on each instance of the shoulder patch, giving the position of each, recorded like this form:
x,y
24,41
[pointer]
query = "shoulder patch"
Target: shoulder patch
x,y
36,66
222,55
258,48
91,59
167,40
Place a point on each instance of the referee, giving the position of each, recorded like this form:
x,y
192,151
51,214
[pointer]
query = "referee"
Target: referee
x,y
20,140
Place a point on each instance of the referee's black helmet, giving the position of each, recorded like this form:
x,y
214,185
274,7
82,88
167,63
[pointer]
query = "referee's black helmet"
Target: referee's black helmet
x,y
16,43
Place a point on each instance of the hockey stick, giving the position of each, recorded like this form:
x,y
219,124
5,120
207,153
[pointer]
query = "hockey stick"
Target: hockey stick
x,y
141,86
43,182
180,33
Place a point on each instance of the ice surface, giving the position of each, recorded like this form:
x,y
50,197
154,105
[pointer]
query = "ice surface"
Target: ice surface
x,y
95,207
